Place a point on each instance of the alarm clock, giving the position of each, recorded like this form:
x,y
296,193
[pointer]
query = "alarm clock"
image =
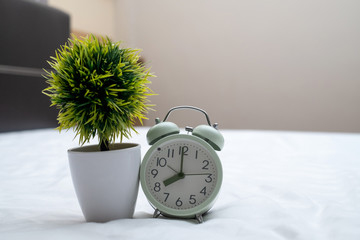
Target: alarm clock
x,y
181,174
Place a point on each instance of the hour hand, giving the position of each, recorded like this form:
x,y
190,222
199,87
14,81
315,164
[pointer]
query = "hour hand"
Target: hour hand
x,y
173,179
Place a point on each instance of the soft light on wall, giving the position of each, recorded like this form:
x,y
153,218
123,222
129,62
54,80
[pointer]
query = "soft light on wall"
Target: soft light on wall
x,y
253,64
289,65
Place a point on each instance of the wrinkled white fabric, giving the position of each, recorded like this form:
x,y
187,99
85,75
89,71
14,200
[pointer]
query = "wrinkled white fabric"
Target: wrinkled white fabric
x,y
277,185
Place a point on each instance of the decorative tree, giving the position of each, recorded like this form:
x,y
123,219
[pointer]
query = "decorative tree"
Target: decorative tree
x,y
99,88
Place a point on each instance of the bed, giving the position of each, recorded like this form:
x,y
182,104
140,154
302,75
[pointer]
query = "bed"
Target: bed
x,y
277,185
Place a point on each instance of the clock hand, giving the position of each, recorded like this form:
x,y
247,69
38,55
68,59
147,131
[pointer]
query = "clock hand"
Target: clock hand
x,y
173,179
179,175
182,160
195,174
172,168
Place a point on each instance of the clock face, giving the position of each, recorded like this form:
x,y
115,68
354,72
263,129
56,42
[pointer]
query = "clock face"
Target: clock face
x,y
181,173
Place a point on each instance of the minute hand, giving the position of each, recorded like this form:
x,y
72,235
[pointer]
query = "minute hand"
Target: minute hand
x,y
182,160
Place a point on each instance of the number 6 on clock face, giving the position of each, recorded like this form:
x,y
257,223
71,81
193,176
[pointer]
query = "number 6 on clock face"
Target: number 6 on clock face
x,y
181,176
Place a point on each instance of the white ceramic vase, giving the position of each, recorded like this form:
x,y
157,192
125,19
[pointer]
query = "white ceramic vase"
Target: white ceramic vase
x,y
106,182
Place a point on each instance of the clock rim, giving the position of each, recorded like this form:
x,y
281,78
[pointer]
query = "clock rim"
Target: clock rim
x,y
183,213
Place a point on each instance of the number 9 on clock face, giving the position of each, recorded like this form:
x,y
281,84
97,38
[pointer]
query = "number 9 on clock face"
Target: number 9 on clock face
x,y
181,176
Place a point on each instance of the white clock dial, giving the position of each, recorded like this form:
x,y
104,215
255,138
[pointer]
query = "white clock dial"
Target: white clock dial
x,y
181,173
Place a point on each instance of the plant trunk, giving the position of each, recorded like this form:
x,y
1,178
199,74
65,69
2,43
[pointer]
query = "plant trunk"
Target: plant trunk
x,y
104,145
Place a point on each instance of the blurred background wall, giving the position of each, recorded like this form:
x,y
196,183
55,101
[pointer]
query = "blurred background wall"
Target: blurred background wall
x,y
251,64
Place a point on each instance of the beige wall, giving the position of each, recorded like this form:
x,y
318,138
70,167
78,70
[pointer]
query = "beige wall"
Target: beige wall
x,y
94,16
291,65
252,64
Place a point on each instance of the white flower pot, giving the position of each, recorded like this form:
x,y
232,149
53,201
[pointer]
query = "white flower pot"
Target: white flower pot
x,y
106,183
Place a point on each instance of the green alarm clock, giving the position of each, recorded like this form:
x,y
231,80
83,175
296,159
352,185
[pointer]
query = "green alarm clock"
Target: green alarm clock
x,y
181,174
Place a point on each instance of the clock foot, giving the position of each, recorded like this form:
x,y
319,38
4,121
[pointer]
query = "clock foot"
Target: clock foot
x,y
156,213
200,218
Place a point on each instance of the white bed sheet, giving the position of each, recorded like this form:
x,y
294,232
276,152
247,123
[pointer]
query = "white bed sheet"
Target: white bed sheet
x,y
277,185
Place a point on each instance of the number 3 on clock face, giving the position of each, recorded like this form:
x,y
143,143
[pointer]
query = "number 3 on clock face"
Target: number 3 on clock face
x,y
181,176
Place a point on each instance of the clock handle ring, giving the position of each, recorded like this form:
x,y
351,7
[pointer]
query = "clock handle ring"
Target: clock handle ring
x,y
193,108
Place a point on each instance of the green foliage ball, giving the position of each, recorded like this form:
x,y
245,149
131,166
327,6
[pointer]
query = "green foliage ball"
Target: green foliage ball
x,y
99,88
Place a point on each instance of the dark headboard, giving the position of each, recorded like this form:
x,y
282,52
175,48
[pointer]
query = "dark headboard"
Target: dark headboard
x,y
30,33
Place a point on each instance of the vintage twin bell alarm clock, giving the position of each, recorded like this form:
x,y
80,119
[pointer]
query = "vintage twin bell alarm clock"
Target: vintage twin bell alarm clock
x,y
181,174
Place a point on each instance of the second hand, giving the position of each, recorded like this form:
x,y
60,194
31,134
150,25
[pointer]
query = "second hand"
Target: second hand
x,y
195,174
172,169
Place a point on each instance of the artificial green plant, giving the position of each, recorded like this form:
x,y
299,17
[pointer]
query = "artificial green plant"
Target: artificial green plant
x,y
99,88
